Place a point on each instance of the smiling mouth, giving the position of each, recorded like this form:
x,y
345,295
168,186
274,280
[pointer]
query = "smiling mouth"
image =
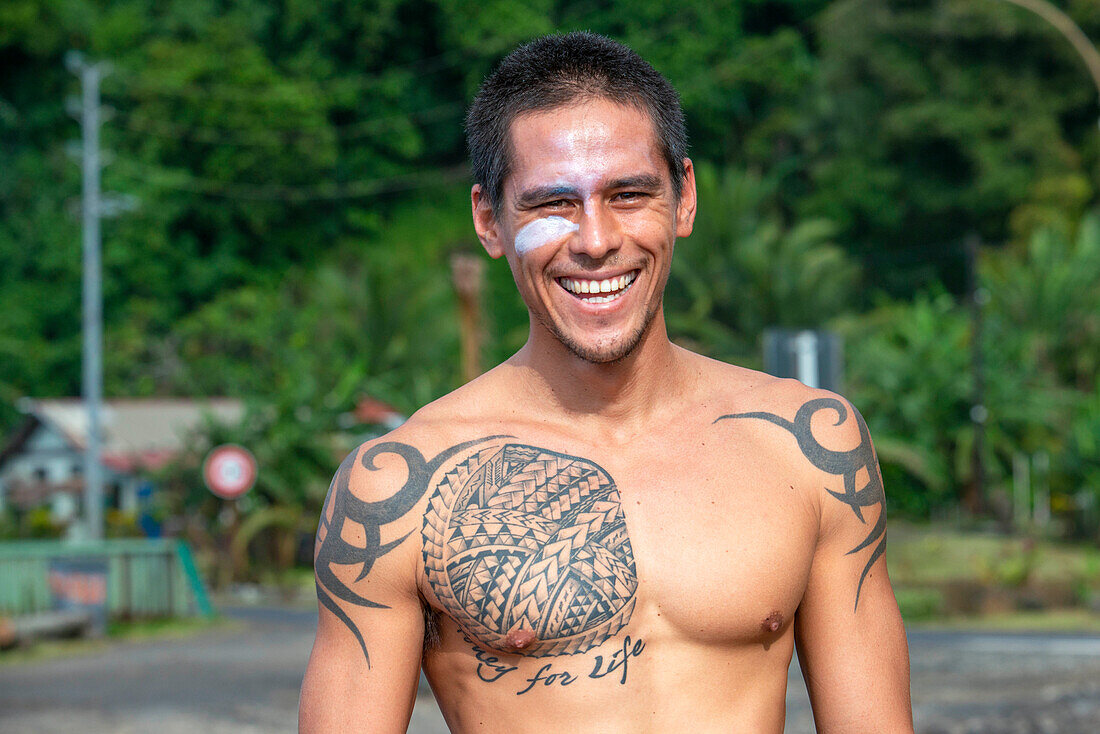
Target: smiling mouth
x,y
599,291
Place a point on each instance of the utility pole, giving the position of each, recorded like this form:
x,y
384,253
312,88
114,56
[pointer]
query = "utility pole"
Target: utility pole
x,y
90,75
94,206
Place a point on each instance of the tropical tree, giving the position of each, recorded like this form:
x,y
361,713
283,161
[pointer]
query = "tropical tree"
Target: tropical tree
x,y
1076,491
924,132
910,366
743,269
1049,290
1045,317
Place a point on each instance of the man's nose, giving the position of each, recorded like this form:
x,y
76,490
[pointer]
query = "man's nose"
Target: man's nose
x,y
598,235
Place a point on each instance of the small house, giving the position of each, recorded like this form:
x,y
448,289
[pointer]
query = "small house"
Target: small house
x,y
42,462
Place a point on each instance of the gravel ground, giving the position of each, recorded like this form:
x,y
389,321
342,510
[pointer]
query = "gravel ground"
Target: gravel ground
x,y
246,680
1005,684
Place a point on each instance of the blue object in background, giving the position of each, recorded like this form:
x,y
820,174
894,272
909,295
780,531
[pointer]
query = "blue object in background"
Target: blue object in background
x,y
148,524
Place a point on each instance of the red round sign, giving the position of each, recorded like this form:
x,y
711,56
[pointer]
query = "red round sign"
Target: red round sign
x,y
229,471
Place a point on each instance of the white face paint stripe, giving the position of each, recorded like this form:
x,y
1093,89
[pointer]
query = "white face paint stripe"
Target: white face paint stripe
x,y
542,232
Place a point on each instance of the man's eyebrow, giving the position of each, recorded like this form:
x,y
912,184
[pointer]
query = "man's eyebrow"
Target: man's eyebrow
x,y
541,194
644,181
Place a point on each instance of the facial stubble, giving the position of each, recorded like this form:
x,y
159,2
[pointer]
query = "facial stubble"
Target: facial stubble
x,y
611,355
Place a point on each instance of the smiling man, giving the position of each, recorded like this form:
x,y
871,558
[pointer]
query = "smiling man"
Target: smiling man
x,y
606,533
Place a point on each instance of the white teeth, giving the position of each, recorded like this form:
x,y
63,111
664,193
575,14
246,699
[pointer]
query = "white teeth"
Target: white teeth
x,y
613,286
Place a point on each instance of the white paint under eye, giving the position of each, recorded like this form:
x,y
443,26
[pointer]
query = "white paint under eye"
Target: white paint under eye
x,y
542,232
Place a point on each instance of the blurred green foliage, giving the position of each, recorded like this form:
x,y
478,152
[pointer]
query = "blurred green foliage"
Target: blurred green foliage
x,y
300,172
744,269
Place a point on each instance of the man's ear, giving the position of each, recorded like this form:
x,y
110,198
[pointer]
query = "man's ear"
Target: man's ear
x,y
685,208
485,223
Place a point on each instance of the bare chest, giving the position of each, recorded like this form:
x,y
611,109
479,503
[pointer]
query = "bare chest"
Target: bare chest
x,y
723,545
549,552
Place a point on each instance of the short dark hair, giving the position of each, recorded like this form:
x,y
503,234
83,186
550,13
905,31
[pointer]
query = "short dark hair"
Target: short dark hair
x,y
558,70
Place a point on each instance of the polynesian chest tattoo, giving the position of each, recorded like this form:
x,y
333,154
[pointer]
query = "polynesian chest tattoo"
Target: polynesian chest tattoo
x,y
525,548
846,464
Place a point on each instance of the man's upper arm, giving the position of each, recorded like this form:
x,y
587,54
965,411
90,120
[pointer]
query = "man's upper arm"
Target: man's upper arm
x,y
364,667
851,642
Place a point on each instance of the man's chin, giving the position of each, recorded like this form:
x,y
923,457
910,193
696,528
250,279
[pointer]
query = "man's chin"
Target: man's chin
x,y
612,353
601,356
593,352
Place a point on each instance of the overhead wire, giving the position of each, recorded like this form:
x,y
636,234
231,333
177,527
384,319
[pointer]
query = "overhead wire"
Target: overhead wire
x,y
325,191
279,136
142,86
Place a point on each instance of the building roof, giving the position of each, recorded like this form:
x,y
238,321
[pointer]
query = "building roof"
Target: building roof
x,y
372,410
134,432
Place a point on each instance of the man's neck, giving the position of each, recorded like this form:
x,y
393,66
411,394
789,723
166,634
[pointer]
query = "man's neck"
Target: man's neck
x,y
616,399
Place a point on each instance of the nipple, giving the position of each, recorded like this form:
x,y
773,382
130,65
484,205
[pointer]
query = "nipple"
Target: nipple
x,y
520,639
772,622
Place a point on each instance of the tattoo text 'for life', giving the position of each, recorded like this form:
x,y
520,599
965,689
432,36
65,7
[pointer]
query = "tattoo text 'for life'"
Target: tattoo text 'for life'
x,y
491,669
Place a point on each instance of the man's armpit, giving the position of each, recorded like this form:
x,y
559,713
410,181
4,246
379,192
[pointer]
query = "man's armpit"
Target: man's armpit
x,y
857,468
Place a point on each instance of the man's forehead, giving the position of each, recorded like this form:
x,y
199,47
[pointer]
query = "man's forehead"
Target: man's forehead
x,y
595,108
601,139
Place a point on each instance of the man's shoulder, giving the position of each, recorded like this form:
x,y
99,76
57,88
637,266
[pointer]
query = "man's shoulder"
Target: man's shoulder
x,y
775,410
459,416
733,388
788,397
471,408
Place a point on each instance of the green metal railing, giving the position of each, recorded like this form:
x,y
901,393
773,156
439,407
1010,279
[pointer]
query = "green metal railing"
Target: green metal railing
x,y
145,577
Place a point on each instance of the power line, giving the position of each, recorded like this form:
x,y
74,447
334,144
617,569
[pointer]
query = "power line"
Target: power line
x,y
326,191
280,136
294,88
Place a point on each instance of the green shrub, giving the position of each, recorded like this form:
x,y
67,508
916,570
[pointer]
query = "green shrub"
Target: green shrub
x,y
919,604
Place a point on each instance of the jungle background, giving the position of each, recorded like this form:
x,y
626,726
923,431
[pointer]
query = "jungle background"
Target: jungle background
x,y
302,196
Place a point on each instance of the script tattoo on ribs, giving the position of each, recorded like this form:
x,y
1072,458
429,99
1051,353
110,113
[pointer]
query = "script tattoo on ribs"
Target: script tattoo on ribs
x,y
518,537
847,464
342,506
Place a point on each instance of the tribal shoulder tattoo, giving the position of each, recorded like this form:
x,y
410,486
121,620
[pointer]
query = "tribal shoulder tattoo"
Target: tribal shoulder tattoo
x,y
525,548
345,506
845,464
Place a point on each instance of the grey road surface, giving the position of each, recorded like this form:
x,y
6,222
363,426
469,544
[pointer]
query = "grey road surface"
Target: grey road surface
x,y
246,680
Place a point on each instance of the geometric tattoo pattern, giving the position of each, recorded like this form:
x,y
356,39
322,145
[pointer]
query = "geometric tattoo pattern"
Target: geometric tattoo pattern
x,y
846,464
520,537
343,507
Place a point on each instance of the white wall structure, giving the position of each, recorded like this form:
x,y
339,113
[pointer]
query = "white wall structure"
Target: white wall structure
x,y
42,462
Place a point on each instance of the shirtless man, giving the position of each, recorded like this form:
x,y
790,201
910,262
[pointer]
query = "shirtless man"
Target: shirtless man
x,y
606,533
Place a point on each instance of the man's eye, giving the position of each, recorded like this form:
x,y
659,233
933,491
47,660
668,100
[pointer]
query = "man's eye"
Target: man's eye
x,y
629,195
556,204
